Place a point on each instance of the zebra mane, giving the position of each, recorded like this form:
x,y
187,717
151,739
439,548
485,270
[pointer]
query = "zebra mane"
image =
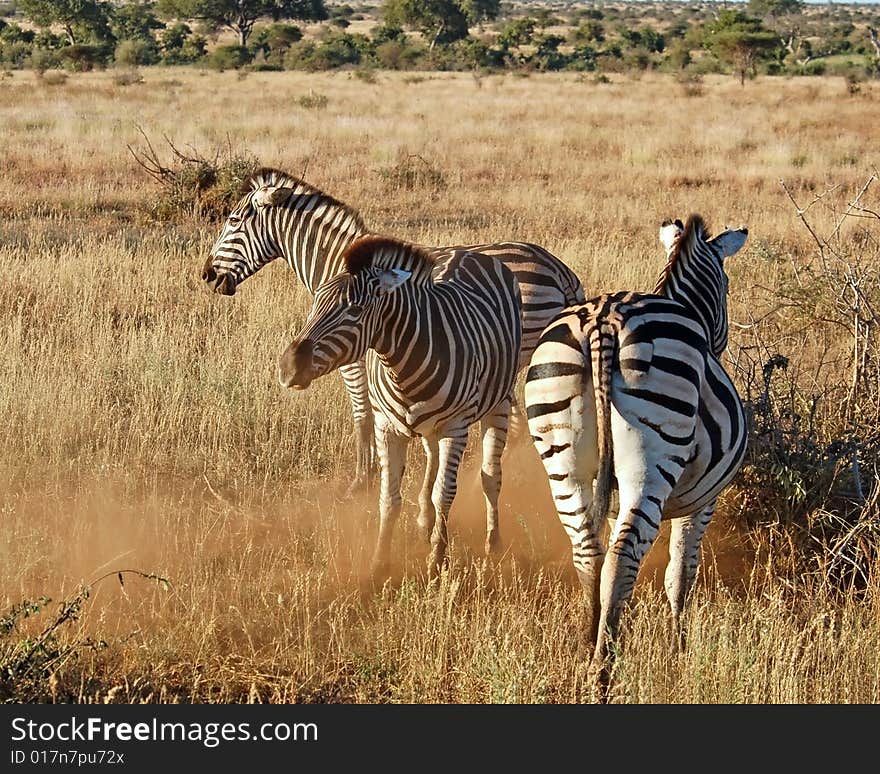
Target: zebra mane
x,y
388,253
695,227
270,176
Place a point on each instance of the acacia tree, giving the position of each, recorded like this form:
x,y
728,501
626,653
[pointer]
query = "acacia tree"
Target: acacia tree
x,y
741,41
76,17
241,15
441,21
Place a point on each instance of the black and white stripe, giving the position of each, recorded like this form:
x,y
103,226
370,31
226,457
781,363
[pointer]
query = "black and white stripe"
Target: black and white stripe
x,y
442,340
629,386
281,216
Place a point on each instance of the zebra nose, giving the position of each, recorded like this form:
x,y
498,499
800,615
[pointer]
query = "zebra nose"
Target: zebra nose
x,y
208,273
295,365
226,285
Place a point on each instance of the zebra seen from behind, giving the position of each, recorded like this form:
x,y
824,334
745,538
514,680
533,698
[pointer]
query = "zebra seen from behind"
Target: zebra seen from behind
x,y
280,216
442,340
629,386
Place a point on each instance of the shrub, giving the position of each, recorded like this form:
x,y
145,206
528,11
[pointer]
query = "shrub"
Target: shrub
x,y
15,54
194,185
42,60
180,46
413,172
396,54
228,58
128,78
54,78
131,53
81,58
312,101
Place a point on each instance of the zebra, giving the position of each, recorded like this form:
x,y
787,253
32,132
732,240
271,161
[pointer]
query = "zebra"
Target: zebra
x,y
279,215
442,340
629,386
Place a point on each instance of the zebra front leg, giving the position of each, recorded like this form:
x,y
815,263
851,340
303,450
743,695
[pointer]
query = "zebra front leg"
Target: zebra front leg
x,y
354,376
494,429
684,559
427,514
391,447
451,449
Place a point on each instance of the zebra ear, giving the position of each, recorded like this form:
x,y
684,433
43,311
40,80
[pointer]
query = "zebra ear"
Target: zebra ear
x,y
391,279
730,242
670,231
269,196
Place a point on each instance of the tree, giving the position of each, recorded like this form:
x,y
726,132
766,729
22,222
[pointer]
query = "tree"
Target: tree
x,y
741,41
134,21
241,15
517,33
766,8
440,21
76,17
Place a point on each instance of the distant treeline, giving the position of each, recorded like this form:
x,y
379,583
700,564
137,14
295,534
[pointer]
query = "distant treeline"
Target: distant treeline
x,y
769,36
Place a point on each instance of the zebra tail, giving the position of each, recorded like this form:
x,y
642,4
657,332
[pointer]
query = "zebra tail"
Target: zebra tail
x,y
602,345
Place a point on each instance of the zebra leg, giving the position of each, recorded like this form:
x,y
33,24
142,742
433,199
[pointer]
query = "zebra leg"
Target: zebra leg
x,y
427,514
354,376
451,449
684,559
391,447
571,469
637,525
494,429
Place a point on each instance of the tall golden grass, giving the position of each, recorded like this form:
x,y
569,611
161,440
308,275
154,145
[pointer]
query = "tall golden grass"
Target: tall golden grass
x,y
144,428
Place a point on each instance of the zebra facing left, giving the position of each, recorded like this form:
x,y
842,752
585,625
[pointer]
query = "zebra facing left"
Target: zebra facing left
x,y
280,216
442,341
629,386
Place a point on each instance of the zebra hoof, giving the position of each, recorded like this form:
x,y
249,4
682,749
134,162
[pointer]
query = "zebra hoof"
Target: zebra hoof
x,y
599,679
379,573
425,529
357,487
436,561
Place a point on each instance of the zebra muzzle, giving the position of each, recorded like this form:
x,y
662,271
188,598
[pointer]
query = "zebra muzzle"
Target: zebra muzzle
x,y
295,367
224,284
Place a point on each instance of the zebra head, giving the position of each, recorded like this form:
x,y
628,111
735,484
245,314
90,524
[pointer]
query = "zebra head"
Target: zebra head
x,y
343,323
694,274
247,241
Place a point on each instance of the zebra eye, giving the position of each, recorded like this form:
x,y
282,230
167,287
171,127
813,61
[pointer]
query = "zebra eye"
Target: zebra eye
x,y
234,220
355,308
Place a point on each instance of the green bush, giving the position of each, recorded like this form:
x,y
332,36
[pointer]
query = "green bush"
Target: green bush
x,y
15,55
42,60
180,46
396,54
131,53
228,58
334,50
81,58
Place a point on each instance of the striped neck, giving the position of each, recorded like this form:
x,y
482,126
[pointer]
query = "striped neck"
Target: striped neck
x,y
694,277
311,229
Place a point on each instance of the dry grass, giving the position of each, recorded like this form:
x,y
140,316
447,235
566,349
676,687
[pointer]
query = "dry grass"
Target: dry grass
x,y
144,428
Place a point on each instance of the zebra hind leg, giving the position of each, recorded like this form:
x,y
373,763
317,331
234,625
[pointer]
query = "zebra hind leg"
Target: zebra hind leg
x,y
571,487
494,430
451,449
684,559
633,534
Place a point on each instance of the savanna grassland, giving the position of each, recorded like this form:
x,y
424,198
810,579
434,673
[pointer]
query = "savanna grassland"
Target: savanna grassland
x,y
144,429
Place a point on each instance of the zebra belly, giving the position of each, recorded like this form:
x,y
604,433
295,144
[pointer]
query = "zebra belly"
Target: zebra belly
x,y
720,444
439,414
